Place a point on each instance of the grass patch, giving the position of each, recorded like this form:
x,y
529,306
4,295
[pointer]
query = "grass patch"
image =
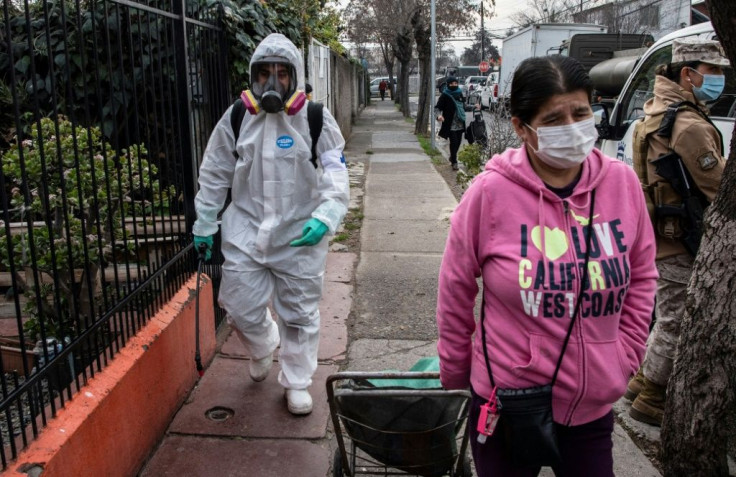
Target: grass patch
x,y
434,154
352,226
340,238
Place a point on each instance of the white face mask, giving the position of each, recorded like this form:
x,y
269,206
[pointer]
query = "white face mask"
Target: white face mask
x,y
567,146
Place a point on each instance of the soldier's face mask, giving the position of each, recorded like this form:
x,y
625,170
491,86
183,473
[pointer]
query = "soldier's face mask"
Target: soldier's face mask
x,y
274,88
712,87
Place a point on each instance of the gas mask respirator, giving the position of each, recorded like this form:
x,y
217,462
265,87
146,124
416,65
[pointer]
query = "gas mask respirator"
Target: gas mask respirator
x,y
274,89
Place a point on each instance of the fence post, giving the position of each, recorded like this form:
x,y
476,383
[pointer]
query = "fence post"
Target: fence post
x,y
188,162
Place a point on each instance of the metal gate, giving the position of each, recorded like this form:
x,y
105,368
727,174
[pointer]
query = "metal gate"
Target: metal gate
x,y
106,107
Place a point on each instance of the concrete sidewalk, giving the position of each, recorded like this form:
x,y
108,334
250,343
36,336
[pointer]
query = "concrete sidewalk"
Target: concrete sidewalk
x,y
378,312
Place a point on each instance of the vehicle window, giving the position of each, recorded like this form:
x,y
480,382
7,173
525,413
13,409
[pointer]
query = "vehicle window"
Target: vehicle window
x,y
642,87
725,106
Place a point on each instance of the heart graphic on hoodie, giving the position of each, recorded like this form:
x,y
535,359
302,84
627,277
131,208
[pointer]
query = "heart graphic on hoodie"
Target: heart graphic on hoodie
x,y
556,241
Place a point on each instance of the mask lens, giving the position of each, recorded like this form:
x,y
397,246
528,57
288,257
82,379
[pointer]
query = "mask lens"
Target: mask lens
x,y
278,76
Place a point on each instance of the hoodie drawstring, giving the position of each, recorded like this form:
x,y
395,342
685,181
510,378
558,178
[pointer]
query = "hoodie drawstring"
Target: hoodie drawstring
x,y
543,231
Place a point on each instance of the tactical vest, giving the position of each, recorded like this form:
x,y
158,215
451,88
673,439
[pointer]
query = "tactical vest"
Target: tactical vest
x,y
658,191
640,146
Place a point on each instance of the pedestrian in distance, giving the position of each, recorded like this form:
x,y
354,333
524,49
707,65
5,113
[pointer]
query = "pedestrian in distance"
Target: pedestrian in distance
x,y
382,88
560,236
273,230
676,133
450,111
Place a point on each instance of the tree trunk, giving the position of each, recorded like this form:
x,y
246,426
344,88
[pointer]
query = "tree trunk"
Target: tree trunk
x,y
403,54
700,394
388,62
422,37
403,93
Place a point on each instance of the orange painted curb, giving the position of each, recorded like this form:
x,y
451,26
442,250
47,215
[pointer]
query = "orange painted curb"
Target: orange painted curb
x,y
110,427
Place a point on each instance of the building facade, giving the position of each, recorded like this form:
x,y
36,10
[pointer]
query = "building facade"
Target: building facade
x,y
655,17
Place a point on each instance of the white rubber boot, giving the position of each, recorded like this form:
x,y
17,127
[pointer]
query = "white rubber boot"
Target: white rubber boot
x,y
298,401
259,368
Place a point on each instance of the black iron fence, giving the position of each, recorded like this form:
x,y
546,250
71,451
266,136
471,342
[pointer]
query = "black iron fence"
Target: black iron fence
x,y
105,106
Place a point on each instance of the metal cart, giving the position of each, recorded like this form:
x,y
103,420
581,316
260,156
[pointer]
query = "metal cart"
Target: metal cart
x,y
397,430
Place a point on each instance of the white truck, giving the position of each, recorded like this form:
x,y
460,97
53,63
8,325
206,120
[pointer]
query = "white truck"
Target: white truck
x,y
537,40
616,125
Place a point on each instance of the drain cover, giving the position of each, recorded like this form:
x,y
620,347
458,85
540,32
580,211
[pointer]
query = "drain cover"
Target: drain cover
x,y
219,413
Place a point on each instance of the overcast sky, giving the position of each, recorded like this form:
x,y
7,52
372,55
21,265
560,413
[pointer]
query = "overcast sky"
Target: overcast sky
x,y
497,24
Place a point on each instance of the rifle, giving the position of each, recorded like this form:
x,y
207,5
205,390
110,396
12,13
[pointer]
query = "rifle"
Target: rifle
x,y
670,168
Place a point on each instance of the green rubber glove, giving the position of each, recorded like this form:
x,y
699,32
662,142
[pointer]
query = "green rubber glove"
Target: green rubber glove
x,y
312,233
199,242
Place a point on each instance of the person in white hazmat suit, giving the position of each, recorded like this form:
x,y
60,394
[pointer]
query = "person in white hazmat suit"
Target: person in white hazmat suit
x,y
273,231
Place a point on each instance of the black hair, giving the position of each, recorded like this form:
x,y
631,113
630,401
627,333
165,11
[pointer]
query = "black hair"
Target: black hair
x,y
539,78
672,71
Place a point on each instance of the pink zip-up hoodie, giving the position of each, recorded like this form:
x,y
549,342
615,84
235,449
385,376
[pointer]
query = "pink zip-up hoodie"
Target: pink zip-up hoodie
x,y
503,222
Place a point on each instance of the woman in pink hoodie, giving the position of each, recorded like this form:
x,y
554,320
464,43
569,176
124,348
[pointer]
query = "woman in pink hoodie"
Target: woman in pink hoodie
x,y
523,227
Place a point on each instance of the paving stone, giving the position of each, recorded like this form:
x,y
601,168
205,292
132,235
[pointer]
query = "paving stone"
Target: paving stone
x,y
340,268
223,457
399,169
404,235
414,191
258,409
429,208
396,156
397,296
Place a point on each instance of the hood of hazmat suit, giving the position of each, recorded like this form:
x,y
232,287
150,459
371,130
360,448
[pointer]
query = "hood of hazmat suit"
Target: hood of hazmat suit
x,y
275,187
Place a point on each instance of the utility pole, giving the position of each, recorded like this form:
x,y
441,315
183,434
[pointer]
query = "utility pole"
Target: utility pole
x,y
482,34
432,74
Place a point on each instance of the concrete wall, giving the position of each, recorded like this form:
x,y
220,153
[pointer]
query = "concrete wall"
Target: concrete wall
x,y
344,78
337,83
112,423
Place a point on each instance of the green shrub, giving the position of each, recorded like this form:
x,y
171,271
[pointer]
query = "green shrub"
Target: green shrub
x,y
77,190
472,156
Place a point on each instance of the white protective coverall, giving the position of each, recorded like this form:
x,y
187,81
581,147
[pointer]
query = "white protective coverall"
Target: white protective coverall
x,y
275,190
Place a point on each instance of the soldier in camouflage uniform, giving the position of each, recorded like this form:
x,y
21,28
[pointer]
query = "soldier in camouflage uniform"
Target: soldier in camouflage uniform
x,y
695,76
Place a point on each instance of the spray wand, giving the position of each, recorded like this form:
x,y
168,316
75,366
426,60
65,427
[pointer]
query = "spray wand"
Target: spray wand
x,y
202,254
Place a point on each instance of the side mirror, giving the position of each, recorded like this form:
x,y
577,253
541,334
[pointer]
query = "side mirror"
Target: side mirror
x,y
602,124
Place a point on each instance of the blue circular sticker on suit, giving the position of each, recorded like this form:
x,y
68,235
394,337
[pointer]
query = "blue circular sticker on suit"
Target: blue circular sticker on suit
x,y
285,142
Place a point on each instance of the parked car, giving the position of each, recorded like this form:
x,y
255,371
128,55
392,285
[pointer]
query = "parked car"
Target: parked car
x,y
489,92
375,82
471,90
